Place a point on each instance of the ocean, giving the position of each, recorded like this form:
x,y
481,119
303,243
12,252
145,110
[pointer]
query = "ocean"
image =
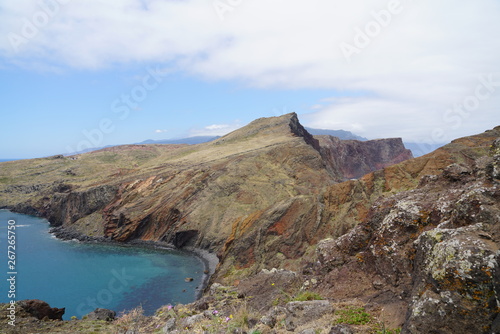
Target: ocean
x,y
82,277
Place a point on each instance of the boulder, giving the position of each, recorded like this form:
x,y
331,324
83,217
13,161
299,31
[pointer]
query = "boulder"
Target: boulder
x,y
456,282
41,309
101,314
300,313
169,326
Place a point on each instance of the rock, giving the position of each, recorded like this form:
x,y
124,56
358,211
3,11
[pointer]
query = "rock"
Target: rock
x,y
341,329
169,326
183,238
456,172
101,314
192,320
351,159
188,279
41,309
201,305
308,331
268,321
456,280
378,284
216,288
300,313
271,317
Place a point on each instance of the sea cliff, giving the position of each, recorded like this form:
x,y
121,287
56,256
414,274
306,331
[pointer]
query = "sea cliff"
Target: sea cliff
x,y
411,243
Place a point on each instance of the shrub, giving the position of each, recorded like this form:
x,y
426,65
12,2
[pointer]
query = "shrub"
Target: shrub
x,y
307,295
353,316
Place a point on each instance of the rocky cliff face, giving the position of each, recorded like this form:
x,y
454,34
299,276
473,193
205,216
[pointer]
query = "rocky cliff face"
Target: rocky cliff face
x,y
353,159
428,254
419,237
257,183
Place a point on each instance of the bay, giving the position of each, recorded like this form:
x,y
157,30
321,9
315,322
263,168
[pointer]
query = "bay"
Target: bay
x,y
82,277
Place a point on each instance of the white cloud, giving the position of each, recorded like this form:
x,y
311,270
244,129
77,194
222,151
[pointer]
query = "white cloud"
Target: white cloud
x,y
161,131
428,56
215,129
218,127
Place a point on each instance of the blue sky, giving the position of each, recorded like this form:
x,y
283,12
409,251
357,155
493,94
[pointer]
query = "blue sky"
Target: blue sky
x,y
60,113
77,73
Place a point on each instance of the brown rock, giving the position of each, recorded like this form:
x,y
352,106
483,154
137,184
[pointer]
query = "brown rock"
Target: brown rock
x,y
41,309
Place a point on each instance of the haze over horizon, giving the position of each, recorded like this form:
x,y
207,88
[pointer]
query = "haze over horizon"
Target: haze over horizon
x,y
76,74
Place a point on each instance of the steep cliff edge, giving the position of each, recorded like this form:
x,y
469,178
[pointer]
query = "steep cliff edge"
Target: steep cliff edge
x,y
353,158
427,247
257,183
269,195
246,196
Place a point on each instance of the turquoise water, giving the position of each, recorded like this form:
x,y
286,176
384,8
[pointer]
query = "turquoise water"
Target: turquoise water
x,y
82,277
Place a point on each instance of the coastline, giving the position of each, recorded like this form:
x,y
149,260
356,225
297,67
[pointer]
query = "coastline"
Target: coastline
x,y
209,260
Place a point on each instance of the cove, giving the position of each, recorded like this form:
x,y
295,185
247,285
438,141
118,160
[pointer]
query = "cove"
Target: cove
x,y
82,277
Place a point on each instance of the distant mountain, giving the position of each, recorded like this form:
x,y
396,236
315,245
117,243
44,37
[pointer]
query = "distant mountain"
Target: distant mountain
x,y
419,149
189,140
341,134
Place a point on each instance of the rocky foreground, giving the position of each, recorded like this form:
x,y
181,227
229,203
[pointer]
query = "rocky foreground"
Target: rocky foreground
x,y
362,238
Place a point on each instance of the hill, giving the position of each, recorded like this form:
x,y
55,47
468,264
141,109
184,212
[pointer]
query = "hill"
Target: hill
x,y
419,237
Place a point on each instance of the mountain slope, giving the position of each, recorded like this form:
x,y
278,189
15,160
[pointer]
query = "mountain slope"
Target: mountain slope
x,y
420,239
214,195
427,248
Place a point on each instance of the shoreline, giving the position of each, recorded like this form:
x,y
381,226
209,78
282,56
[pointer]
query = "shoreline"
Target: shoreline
x,y
208,259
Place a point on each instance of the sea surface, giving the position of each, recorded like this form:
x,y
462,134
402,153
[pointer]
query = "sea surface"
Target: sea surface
x,y
82,277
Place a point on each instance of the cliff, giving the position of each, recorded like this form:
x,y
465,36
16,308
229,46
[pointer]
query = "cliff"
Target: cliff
x,y
418,236
353,159
257,183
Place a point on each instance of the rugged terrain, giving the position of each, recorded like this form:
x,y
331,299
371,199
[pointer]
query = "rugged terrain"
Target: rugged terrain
x,y
402,243
253,185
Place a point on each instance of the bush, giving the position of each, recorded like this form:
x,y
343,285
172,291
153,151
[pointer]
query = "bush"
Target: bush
x,y
353,316
307,295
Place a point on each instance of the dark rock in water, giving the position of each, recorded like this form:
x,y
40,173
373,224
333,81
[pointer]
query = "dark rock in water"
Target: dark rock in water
x,y
41,309
101,314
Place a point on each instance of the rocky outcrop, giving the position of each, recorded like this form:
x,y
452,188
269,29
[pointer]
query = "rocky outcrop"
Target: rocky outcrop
x,y
41,310
430,252
67,207
353,159
101,314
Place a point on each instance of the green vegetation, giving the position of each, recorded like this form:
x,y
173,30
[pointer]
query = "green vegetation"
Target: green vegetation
x,y
306,295
383,330
302,296
353,316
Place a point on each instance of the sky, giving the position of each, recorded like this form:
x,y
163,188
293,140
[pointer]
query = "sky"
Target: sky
x,y
76,74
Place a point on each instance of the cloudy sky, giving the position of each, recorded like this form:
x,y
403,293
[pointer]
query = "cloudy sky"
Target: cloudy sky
x,y
79,73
